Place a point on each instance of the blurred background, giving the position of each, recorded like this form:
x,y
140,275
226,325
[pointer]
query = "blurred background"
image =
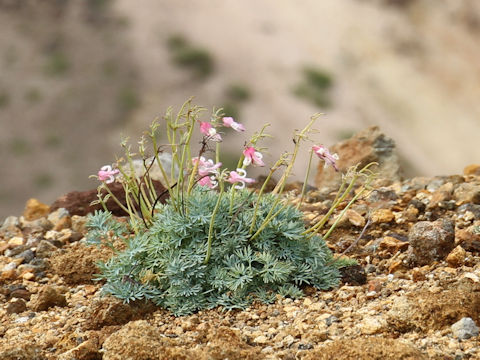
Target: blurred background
x,y
76,75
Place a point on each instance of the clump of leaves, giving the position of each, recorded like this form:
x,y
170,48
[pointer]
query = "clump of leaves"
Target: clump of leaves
x,y
166,262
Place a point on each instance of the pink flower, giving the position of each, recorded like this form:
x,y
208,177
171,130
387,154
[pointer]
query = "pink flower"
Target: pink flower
x,y
239,176
252,157
323,153
208,130
107,174
206,167
229,122
208,181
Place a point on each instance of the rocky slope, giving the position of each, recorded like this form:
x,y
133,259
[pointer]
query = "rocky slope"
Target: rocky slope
x,y
415,295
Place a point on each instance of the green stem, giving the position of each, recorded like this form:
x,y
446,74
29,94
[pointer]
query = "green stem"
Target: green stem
x,y
336,202
297,139
305,182
268,219
340,215
260,193
212,221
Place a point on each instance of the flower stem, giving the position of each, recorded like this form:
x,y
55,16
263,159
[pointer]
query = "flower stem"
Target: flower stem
x,y
212,221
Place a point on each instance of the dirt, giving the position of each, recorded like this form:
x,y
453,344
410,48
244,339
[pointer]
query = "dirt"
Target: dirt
x,y
386,307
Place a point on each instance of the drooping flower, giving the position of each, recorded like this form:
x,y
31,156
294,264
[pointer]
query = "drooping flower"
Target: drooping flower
x,y
206,167
324,154
229,122
208,130
107,174
252,157
208,181
239,176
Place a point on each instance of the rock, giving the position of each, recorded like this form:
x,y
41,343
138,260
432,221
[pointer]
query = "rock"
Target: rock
x,y
372,325
112,311
379,216
465,328
441,195
426,310
473,208
20,293
468,238
353,275
27,351
355,218
34,210
47,297
78,223
79,202
9,222
392,245
261,339
16,241
456,257
430,241
26,255
45,249
16,306
87,350
55,216
366,348
467,193
369,145
472,169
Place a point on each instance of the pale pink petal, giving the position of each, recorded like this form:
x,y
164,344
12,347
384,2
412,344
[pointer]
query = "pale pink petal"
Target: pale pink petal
x,y
323,153
229,122
252,157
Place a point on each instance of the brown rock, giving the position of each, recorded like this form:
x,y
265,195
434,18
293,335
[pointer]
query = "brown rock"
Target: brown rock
x,y
63,223
467,193
112,311
369,145
21,294
46,298
382,216
441,195
430,241
456,257
45,249
141,340
419,274
392,245
9,274
79,202
87,350
355,218
34,210
77,263
468,238
16,306
472,169
367,348
426,310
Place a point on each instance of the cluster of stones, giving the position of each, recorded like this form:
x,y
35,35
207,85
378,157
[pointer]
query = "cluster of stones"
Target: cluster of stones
x,y
417,293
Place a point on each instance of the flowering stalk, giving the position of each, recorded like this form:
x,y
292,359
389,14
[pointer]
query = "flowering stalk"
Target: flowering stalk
x,y
262,189
354,174
212,221
297,139
305,182
153,138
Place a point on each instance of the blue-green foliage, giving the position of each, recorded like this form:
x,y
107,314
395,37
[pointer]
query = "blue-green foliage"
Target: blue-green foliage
x,y
165,263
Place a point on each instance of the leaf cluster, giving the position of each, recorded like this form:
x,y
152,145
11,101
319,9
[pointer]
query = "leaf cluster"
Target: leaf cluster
x,y
165,263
